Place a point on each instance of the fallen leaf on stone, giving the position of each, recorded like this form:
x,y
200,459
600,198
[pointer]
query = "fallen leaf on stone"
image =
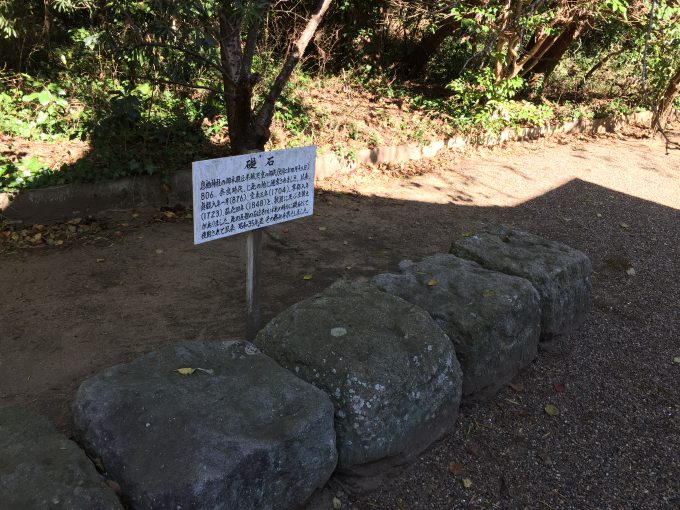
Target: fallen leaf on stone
x,y
631,271
159,251
135,215
433,283
100,260
337,504
467,483
322,228
599,215
551,410
307,277
186,371
676,360
74,221
488,293
566,220
517,386
467,234
456,469
624,225
559,387
345,243
169,214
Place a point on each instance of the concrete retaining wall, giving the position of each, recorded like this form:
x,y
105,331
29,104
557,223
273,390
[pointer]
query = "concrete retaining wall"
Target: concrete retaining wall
x,y
56,203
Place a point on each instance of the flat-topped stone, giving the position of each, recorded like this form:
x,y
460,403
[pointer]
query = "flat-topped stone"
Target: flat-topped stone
x,y
42,469
492,318
560,274
234,430
390,371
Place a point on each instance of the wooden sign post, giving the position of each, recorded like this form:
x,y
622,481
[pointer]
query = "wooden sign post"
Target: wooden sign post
x,y
253,265
246,194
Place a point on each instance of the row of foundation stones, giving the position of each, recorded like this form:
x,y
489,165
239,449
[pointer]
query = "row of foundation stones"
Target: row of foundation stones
x,y
353,382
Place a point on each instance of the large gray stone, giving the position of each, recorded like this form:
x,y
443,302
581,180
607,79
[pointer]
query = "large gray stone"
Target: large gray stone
x,y
41,469
560,274
493,319
390,371
243,433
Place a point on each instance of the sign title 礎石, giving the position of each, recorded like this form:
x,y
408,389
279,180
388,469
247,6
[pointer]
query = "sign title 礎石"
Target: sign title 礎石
x,y
242,193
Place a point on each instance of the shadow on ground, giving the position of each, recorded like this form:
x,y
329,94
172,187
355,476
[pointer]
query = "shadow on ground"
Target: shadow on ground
x,y
70,312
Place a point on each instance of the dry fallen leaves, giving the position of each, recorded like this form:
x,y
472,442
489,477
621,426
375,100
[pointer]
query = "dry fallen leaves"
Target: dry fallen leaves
x,y
551,410
467,483
517,386
456,468
307,277
433,282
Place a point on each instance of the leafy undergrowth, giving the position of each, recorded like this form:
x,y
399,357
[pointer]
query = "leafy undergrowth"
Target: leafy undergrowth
x,y
51,138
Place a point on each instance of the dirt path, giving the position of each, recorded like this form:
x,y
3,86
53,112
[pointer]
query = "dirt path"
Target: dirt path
x,y
69,311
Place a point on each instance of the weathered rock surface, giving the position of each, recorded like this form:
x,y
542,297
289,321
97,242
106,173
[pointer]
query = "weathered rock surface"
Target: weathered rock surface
x,y
242,433
390,371
493,319
560,274
41,469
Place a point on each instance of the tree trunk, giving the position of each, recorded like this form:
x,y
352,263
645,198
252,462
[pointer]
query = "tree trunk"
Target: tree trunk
x,y
47,26
547,63
417,60
249,131
665,105
602,62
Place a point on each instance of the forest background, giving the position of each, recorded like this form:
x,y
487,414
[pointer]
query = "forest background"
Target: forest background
x,y
96,89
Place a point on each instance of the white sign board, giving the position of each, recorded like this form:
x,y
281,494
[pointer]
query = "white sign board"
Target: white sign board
x,y
242,193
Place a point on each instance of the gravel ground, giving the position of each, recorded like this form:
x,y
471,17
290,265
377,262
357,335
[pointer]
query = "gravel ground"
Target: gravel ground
x,y
616,441
71,309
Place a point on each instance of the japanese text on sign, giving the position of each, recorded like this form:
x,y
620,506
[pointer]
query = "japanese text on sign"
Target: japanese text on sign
x,y
242,193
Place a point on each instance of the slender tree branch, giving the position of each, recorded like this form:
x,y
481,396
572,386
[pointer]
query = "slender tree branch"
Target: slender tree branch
x,y
186,51
251,39
266,113
187,85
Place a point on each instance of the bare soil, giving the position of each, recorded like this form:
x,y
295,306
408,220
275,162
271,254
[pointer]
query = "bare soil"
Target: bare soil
x,y
105,290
